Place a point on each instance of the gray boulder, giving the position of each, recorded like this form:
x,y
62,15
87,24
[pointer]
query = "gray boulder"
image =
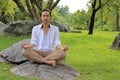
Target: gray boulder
x,y
19,28
61,27
2,27
116,42
3,60
13,54
46,72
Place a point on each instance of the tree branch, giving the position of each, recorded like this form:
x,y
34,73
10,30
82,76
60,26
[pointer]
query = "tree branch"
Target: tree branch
x,y
2,15
38,4
33,9
54,5
28,7
99,6
20,6
49,4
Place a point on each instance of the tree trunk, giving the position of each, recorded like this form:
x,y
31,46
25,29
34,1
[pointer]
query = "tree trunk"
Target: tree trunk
x,y
101,24
94,10
32,10
92,19
117,19
2,15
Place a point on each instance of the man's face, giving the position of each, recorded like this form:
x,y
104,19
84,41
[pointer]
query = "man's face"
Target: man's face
x,y
45,17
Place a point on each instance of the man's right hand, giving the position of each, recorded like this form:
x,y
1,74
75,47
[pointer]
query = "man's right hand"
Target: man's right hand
x,y
27,45
24,46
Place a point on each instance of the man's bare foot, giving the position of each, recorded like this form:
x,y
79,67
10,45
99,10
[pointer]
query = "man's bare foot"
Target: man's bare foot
x,y
52,63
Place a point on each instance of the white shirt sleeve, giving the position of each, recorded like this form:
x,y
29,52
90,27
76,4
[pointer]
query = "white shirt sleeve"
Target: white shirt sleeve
x,y
34,36
57,38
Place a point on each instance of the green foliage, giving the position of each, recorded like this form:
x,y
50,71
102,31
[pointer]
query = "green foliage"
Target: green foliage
x,y
61,14
89,54
106,28
11,11
79,19
78,27
20,16
10,7
7,7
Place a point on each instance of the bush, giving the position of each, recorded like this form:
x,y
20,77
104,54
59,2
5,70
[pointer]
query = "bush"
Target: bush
x,y
78,27
106,28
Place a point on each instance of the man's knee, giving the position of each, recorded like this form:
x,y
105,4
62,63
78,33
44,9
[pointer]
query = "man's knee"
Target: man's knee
x,y
23,52
62,52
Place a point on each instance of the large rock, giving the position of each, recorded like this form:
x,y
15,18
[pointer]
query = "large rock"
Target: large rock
x,y
2,27
3,60
116,42
2,24
13,54
46,72
61,27
19,28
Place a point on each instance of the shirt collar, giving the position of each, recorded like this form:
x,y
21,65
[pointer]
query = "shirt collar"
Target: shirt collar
x,y
41,26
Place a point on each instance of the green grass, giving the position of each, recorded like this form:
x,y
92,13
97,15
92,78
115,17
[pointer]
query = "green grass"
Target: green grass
x,y
89,54
6,41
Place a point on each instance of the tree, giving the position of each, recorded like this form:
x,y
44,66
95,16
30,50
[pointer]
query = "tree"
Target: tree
x,y
6,10
112,15
63,10
33,8
95,8
79,23
116,5
62,14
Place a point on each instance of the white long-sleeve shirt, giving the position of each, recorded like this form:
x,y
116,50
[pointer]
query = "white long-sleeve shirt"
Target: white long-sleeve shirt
x,y
38,34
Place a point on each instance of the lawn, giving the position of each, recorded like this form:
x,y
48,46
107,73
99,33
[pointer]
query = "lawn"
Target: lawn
x,y
89,54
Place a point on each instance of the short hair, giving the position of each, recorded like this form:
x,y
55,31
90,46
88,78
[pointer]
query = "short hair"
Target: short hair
x,y
45,10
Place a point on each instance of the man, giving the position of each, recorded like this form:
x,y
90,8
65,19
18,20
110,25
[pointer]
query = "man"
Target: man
x,y
44,41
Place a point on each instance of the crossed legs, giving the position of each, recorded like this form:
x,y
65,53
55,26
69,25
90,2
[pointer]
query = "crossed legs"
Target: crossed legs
x,y
48,57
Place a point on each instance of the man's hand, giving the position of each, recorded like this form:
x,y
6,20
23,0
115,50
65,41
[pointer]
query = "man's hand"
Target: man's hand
x,y
65,48
25,46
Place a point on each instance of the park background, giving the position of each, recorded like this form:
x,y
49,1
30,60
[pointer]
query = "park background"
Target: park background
x,y
89,50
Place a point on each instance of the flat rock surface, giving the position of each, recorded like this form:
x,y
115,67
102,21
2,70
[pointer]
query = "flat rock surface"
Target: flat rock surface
x,y
46,72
